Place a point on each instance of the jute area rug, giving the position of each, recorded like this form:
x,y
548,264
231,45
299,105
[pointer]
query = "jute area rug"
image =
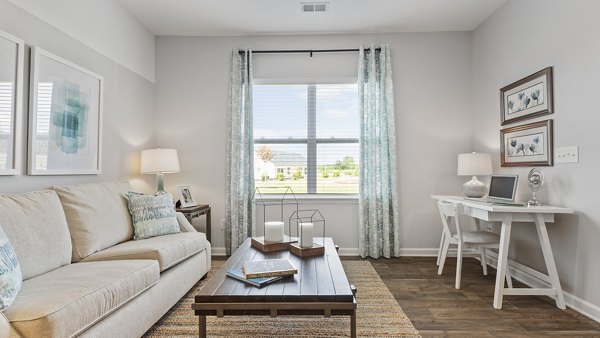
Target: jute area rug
x,y
378,315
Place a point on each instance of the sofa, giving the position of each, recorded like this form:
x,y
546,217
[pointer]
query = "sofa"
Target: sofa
x,y
83,274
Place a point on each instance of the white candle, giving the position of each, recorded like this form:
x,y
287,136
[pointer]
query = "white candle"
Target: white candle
x,y
273,231
306,235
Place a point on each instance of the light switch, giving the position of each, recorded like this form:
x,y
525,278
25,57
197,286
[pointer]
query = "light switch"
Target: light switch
x,y
567,154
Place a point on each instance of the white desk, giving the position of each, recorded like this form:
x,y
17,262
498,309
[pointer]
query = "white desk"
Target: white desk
x,y
507,214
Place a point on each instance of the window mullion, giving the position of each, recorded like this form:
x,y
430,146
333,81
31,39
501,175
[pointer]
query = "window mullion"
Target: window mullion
x,y
311,150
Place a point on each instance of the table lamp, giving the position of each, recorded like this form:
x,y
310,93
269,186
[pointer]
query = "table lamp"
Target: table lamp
x,y
159,161
473,164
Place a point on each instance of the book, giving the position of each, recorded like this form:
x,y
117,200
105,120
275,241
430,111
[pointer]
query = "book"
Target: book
x,y
258,282
269,268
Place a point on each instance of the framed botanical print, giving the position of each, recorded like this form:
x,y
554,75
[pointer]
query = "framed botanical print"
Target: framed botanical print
x,y
65,117
527,98
527,145
12,51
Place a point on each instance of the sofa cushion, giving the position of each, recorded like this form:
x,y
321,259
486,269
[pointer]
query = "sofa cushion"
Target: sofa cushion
x,y
97,215
7,330
168,250
63,302
152,215
10,273
30,220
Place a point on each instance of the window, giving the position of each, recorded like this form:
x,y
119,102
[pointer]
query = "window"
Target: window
x,y
307,136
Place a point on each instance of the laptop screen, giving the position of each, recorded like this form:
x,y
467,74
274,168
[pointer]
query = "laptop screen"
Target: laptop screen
x,y
503,186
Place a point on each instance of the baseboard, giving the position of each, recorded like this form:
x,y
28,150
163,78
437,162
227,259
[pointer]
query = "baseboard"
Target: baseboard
x,y
218,251
429,252
348,252
536,279
406,252
419,252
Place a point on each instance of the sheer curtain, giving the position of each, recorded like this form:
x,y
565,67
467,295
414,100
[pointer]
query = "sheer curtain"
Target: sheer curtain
x,y
239,212
378,202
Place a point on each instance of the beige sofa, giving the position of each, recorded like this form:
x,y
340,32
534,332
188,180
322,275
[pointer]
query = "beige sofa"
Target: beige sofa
x,y
83,275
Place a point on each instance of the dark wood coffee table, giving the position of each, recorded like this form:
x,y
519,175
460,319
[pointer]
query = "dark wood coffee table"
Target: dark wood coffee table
x,y
319,288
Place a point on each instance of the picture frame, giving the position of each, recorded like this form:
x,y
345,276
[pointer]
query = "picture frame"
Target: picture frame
x,y
185,196
12,57
527,145
65,117
527,98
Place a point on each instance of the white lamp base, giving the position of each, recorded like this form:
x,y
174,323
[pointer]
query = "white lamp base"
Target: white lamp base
x,y
474,188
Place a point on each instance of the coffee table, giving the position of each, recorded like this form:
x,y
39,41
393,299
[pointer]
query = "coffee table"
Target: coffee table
x,y
320,288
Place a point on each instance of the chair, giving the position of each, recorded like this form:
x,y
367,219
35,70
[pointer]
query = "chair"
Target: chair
x,y
464,240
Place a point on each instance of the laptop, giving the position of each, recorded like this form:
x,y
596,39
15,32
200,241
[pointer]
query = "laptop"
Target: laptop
x,y
503,189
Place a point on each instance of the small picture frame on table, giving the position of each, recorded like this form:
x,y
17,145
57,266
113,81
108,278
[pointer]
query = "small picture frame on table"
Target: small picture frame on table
x,y
185,196
527,145
527,98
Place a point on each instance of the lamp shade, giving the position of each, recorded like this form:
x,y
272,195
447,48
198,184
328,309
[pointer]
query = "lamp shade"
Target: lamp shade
x,y
157,161
473,164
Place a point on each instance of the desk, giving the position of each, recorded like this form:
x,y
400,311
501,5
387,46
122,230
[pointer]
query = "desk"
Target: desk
x,y
196,211
507,214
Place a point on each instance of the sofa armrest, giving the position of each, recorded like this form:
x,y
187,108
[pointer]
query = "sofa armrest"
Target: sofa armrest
x,y
184,225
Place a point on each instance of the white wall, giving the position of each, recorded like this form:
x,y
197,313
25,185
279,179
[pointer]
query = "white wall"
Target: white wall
x,y
521,38
432,92
103,25
128,105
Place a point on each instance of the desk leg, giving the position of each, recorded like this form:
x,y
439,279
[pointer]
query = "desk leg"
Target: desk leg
x,y
502,260
481,249
540,226
202,326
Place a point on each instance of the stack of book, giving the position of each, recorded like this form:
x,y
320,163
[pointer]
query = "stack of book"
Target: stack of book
x,y
263,272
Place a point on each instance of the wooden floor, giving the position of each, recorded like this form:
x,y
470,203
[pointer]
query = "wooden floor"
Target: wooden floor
x,y
437,309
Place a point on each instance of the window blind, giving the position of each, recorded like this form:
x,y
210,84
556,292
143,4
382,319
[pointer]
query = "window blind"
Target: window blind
x,y
6,124
307,136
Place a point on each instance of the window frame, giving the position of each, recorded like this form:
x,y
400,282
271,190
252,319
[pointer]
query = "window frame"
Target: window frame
x,y
311,141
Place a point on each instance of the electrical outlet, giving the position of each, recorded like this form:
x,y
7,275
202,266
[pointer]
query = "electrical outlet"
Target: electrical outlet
x,y
222,223
567,154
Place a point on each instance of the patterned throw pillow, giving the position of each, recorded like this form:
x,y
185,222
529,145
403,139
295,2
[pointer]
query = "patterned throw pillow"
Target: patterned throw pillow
x,y
152,215
10,273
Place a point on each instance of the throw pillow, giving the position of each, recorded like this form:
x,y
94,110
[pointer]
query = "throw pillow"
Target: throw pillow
x,y
10,273
152,215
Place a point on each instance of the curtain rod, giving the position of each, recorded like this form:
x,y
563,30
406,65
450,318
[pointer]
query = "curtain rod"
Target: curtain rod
x,y
311,51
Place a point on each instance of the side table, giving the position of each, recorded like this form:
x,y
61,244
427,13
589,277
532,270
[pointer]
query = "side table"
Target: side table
x,y
196,211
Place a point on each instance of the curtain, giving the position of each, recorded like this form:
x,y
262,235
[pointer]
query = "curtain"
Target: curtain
x,y
239,212
378,202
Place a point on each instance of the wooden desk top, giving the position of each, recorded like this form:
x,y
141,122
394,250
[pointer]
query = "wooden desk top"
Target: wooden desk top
x,y
544,209
319,279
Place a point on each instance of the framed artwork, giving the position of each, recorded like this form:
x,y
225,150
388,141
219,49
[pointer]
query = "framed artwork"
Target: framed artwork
x,y
65,117
527,145
12,51
185,196
527,98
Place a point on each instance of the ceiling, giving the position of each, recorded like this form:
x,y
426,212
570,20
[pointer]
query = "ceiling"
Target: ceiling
x,y
281,17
